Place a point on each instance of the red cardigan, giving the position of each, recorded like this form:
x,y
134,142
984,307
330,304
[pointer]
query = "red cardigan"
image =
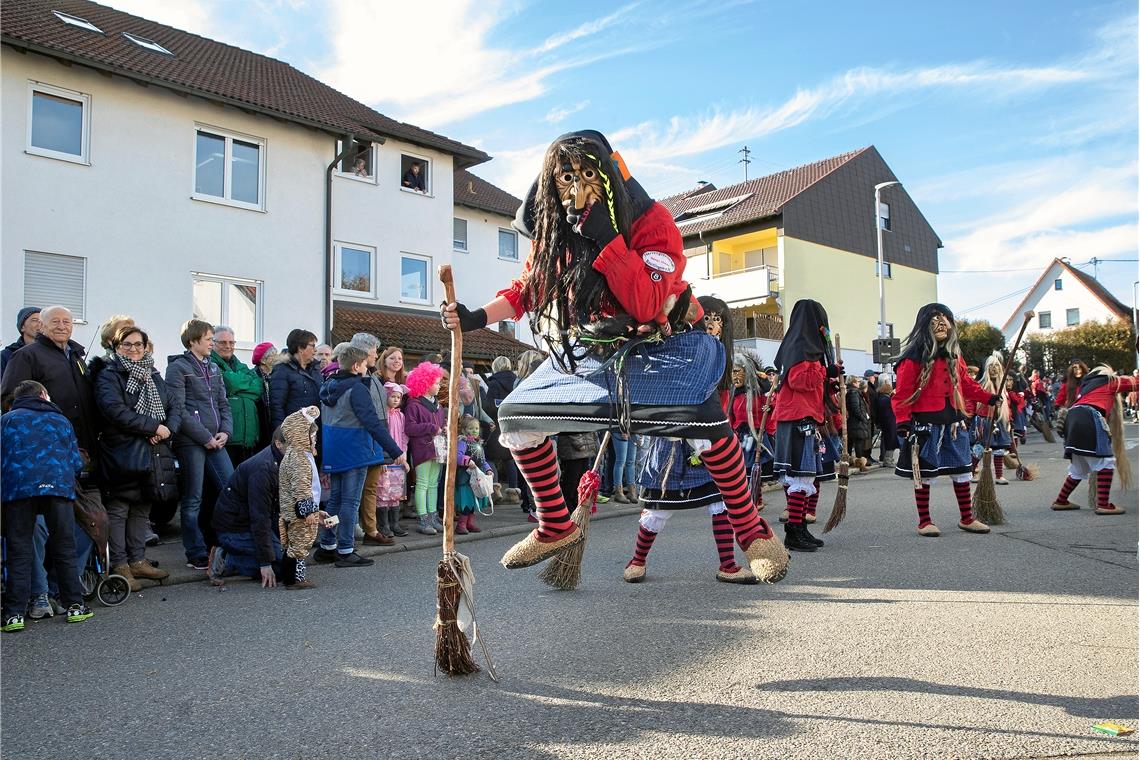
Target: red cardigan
x,y
936,394
801,393
1101,398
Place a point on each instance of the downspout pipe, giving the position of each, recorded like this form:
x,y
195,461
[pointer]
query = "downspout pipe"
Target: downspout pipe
x,y
348,141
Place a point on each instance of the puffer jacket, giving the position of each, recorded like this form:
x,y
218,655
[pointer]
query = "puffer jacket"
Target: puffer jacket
x,y
422,420
41,455
10,349
249,503
243,391
292,388
858,416
353,435
499,387
577,445
121,421
198,406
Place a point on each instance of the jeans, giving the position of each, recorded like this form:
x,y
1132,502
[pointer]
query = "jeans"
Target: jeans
x,y
241,554
195,464
18,527
39,545
625,457
344,502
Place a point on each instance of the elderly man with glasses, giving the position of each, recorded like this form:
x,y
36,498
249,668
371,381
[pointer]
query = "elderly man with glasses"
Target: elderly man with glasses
x,y
243,392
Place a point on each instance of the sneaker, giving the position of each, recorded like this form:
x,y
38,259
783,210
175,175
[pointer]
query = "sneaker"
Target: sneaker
x,y
41,608
603,499
324,556
353,560
77,613
217,564
199,563
425,528
532,516
13,623
56,606
151,538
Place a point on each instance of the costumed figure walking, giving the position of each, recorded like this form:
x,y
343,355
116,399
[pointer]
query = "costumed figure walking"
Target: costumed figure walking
x,y
604,285
999,417
929,404
1094,438
808,375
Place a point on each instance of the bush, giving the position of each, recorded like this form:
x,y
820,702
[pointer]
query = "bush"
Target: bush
x,y
978,340
1111,342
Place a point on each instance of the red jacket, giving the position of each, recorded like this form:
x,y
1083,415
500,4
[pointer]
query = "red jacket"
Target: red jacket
x,y
738,415
1016,400
641,276
801,393
936,394
1101,398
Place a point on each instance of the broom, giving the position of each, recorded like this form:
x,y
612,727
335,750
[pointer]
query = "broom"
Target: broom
x,y
842,468
564,572
757,478
986,506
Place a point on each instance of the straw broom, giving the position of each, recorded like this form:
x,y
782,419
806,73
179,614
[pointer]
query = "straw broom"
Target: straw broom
x,y
842,468
757,479
987,508
564,571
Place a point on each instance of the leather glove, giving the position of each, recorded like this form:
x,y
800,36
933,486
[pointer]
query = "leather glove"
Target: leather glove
x,y
469,320
596,225
994,399
834,370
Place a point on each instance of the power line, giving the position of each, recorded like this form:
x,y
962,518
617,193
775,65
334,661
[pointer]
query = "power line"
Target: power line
x,y
1036,269
746,160
996,300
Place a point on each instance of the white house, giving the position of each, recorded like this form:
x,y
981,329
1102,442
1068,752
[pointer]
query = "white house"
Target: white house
x,y
1064,296
157,173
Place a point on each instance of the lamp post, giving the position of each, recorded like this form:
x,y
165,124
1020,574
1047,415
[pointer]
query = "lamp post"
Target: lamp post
x,y
879,238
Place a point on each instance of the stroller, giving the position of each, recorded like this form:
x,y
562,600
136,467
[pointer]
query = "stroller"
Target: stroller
x,y
95,578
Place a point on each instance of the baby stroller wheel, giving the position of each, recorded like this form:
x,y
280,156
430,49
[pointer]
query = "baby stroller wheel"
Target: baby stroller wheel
x,y
113,590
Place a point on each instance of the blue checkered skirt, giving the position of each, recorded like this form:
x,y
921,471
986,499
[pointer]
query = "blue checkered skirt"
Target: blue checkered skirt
x,y
670,480
670,387
1000,441
943,450
800,448
1086,433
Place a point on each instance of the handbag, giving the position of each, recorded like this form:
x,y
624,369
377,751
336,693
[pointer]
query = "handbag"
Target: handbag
x,y
441,447
130,455
161,481
482,484
393,482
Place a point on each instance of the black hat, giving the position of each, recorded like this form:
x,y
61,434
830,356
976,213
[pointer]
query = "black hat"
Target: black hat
x,y
23,314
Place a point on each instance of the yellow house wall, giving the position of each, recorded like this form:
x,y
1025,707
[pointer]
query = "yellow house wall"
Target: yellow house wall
x,y
846,284
737,246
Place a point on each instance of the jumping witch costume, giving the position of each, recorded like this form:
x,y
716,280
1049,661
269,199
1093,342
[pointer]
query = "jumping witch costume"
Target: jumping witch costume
x,y
604,283
930,408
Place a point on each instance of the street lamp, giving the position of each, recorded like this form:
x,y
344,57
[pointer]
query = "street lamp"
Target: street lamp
x,y
879,237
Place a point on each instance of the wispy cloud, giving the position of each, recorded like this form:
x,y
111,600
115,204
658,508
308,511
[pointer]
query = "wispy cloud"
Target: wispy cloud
x,y
586,29
560,114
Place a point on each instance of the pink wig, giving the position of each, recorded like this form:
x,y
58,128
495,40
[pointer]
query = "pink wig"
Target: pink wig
x,y
422,378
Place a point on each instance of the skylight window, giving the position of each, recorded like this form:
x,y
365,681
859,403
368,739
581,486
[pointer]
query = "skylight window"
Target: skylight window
x,y
710,210
82,23
150,45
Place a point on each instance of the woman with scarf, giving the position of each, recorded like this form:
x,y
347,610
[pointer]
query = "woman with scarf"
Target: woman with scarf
x,y
1094,438
604,284
132,397
930,400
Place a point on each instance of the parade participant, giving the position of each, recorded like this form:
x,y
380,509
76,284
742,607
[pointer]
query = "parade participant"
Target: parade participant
x,y
1017,418
806,366
1094,438
1070,390
299,487
604,283
998,417
929,404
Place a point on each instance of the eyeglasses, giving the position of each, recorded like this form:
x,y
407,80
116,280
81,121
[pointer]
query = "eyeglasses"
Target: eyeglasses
x,y
134,345
225,343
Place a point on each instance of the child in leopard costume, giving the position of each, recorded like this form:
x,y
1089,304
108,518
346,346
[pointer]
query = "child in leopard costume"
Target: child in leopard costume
x,y
300,492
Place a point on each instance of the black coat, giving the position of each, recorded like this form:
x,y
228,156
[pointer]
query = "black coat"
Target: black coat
x,y
292,388
121,422
251,503
8,350
499,386
858,416
885,415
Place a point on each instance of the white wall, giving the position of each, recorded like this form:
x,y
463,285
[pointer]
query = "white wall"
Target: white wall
x,y
1045,298
131,215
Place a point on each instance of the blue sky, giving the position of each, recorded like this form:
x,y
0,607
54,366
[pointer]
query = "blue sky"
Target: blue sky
x,y
1013,125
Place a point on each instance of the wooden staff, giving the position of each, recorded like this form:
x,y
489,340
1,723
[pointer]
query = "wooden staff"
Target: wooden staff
x,y
842,467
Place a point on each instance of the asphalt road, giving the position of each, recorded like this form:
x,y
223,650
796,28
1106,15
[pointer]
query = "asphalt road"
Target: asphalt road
x,y
882,645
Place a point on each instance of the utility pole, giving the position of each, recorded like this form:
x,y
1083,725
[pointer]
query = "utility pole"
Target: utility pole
x,y
746,160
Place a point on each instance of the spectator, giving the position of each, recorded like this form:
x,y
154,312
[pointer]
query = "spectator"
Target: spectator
x,y
424,420
885,414
393,481
501,382
107,331
28,325
244,389
370,344
133,399
323,355
625,455
391,365
858,421
355,438
200,418
576,453
246,518
40,464
299,491
360,169
264,360
295,382
414,178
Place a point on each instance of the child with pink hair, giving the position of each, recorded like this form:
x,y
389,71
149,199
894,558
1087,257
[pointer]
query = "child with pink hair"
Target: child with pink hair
x,y
424,419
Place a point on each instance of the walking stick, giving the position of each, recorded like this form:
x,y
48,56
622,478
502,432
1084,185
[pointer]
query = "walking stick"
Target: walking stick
x,y
986,505
842,468
564,572
454,579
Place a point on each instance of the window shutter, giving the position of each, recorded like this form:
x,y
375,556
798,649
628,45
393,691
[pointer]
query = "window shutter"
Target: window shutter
x,y
51,279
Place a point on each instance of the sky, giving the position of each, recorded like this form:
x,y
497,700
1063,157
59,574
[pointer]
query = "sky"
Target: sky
x,y
1012,125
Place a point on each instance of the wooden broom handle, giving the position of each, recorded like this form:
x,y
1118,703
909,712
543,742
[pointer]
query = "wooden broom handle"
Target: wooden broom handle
x,y
452,417
1005,371
842,396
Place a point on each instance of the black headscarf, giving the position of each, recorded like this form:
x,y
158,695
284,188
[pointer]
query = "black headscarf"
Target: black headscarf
x,y
916,346
806,339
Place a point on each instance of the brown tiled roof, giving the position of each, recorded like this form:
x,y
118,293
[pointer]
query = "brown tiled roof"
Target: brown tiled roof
x,y
477,193
758,198
420,335
203,67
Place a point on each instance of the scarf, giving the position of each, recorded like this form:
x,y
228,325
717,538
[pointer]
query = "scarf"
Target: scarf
x,y
140,380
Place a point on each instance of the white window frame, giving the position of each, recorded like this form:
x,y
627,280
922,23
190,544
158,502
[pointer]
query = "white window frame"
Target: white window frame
x,y
516,236
227,178
1042,315
80,319
85,139
428,179
1058,284
400,279
76,21
259,313
884,217
466,247
147,44
887,270
1069,314
372,277
373,156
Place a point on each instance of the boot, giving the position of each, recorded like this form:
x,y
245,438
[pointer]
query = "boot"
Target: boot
x,y
382,522
125,571
795,540
425,526
806,535
435,521
288,571
461,525
394,523
143,569
619,496
471,526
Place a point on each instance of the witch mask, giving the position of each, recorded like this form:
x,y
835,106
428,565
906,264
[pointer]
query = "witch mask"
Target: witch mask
x,y
579,184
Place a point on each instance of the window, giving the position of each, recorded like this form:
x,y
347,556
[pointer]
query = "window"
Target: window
x,y
229,168
82,23
355,269
232,301
150,45
414,279
59,123
507,327
885,216
51,278
886,269
1072,317
508,245
1044,320
1057,284
360,161
415,174
890,329
459,234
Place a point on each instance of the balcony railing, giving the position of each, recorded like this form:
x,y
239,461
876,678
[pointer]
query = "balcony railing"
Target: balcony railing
x,y
739,287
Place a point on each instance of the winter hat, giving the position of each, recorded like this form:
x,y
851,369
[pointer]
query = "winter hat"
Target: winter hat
x,y
23,314
260,350
868,374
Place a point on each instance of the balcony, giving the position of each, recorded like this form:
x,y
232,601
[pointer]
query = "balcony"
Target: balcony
x,y
741,287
